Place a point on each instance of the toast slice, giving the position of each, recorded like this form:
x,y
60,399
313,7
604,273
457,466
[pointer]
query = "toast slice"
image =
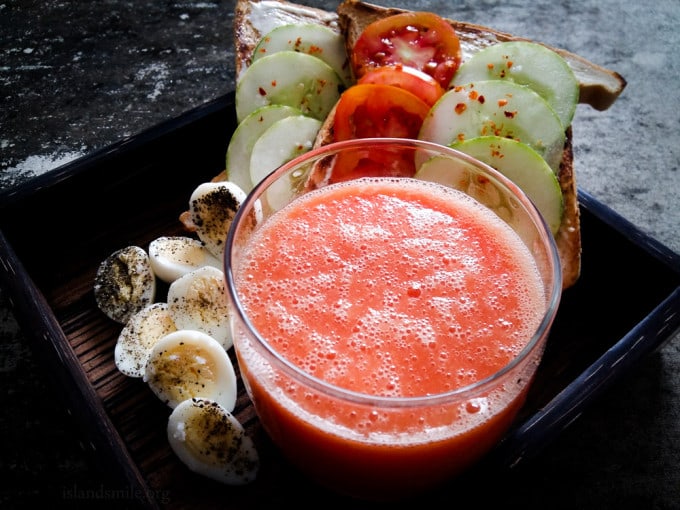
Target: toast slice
x,y
599,87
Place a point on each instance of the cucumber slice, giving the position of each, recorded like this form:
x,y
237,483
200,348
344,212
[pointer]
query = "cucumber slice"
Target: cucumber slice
x,y
461,176
288,78
530,64
316,40
525,167
498,108
244,138
283,141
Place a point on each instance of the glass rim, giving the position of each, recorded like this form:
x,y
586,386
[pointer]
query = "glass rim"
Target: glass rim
x,y
462,393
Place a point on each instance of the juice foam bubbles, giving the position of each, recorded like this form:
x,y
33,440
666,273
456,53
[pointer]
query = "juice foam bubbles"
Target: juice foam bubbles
x,y
387,425
395,289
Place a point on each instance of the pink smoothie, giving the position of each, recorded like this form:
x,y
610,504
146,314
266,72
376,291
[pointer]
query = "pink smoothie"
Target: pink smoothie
x,y
395,288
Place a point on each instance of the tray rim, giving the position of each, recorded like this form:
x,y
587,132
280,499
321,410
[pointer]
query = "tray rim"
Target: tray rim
x,y
50,344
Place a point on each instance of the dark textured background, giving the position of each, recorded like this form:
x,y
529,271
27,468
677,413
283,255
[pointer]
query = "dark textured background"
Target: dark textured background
x,y
77,76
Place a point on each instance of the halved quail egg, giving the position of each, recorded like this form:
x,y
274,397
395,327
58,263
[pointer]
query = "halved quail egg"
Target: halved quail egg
x,y
198,300
138,337
189,364
211,442
174,256
213,206
124,283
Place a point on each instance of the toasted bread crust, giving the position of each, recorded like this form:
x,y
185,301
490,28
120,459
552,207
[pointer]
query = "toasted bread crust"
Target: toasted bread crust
x,y
568,237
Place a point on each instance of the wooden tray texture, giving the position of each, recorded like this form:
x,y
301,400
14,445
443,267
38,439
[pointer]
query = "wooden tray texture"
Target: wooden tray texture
x,y
133,192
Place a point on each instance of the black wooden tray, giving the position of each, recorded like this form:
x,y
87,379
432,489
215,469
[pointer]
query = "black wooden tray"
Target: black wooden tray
x,y
57,228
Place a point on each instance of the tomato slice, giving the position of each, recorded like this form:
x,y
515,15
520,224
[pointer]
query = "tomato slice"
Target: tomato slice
x,y
421,40
376,110
372,163
408,78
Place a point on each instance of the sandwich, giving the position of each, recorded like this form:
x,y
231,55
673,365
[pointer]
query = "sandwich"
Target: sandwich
x,y
255,20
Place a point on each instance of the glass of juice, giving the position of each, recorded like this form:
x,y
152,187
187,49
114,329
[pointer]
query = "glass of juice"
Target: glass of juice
x,y
390,303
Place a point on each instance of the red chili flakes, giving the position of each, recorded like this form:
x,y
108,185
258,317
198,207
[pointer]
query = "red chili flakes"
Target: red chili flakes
x,y
502,102
264,50
273,83
489,66
481,99
496,152
461,137
262,91
490,127
315,50
510,115
473,95
460,108
508,65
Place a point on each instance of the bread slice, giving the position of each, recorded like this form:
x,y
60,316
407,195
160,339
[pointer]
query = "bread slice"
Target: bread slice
x,y
599,87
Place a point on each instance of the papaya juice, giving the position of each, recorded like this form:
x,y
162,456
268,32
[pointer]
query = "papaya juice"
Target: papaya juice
x,y
399,300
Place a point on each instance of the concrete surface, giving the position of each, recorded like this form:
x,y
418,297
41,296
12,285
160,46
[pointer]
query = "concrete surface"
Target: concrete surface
x,y
77,76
